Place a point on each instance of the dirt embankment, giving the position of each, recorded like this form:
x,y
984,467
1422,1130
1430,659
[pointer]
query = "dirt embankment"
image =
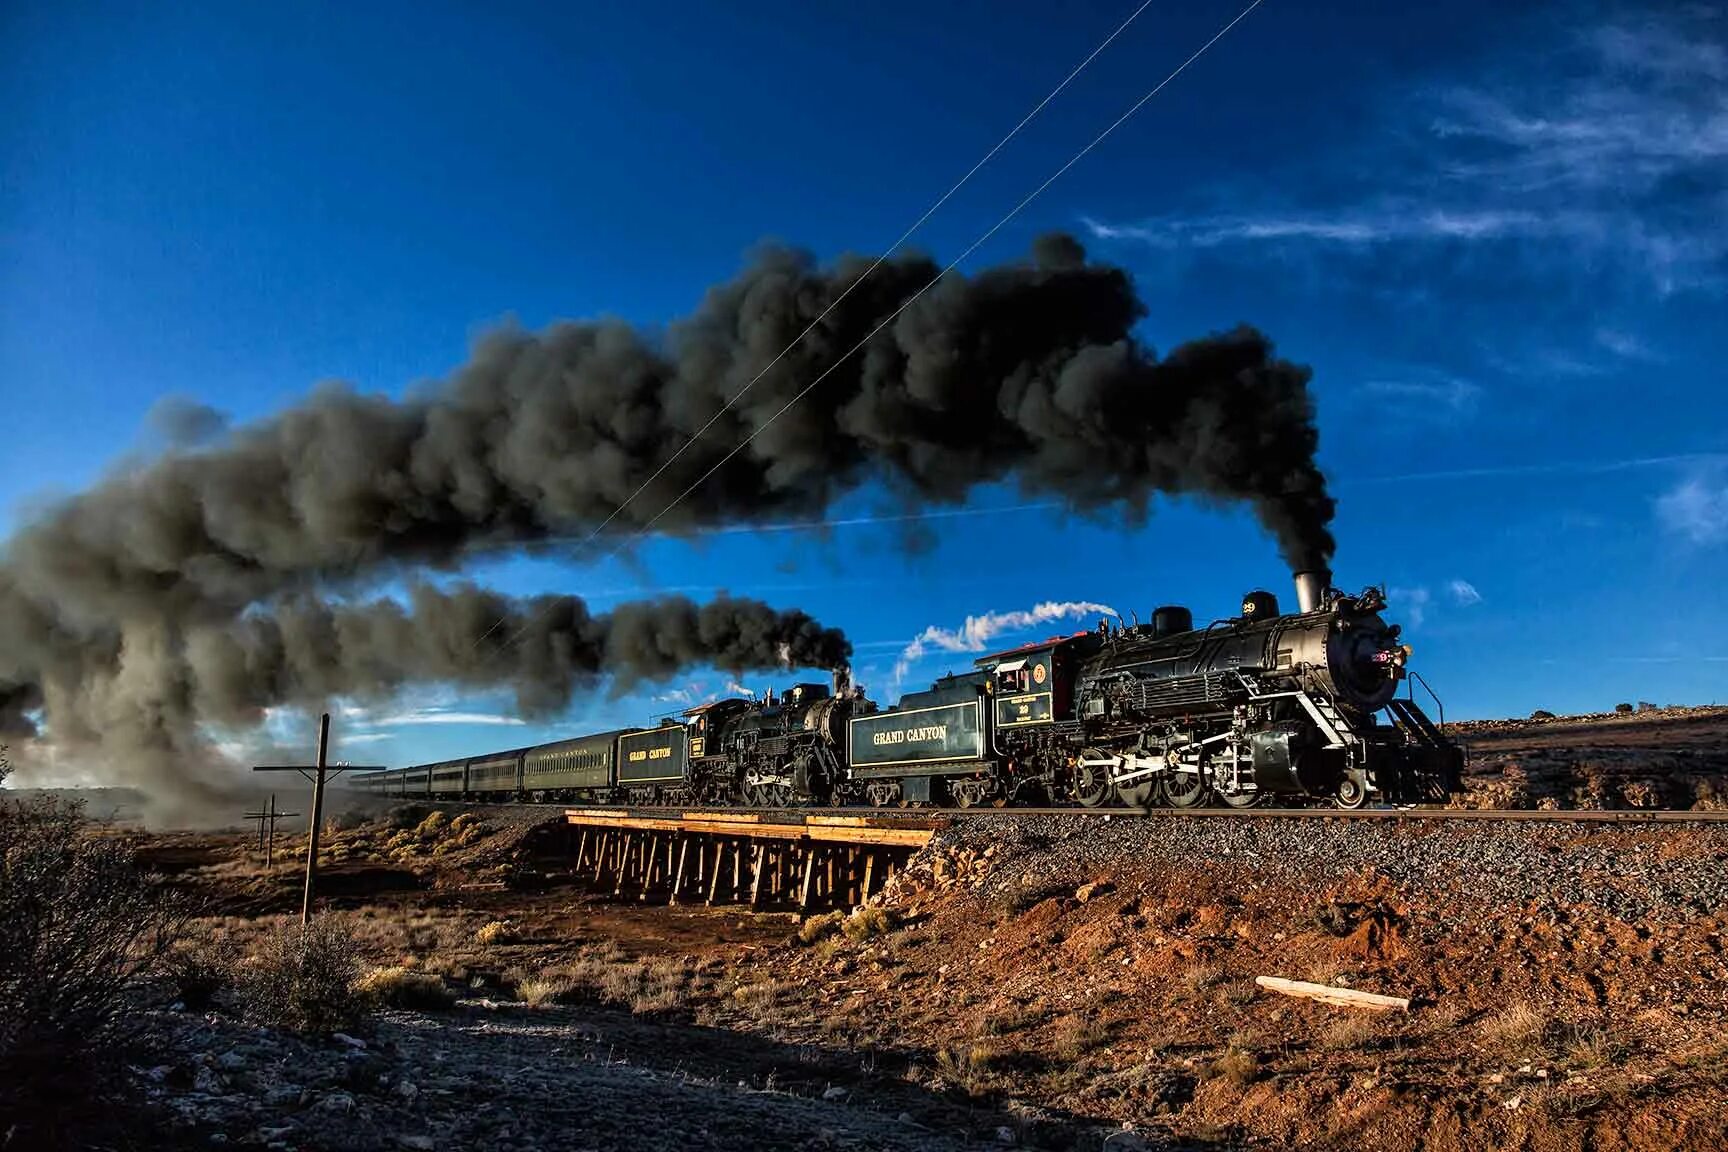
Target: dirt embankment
x,y
1657,758
1570,982
1059,982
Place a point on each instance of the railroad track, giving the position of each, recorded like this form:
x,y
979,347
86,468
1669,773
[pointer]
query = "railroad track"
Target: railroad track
x,y
883,816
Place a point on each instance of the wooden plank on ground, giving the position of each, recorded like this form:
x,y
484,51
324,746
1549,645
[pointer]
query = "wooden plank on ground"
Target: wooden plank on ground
x,y
1328,994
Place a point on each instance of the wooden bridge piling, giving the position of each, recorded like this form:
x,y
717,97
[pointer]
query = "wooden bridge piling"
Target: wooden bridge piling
x,y
802,864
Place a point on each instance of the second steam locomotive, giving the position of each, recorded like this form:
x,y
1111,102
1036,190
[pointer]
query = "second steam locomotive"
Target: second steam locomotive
x,y
1293,708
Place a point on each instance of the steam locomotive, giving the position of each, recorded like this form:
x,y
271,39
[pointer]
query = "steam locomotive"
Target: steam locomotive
x,y
1255,708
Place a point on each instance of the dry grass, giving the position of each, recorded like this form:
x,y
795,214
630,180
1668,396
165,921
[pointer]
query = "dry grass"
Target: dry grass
x,y
397,986
1591,1047
664,986
1517,1028
868,922
1238,1064
1348,1033
762,1003
1201,977
495,932
544,991
1011,1018
1236,993
820,927
1078,1035
966,1066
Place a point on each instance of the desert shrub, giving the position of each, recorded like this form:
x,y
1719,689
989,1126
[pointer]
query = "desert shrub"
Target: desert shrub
x,y
196,970
817,927
398,986
304,978
544,991
868,922
1238,1065
81,930
495,932
432,826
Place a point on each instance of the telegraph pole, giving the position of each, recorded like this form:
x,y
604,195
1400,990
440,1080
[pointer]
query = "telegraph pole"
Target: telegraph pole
x,y
318,772
267,819
317,819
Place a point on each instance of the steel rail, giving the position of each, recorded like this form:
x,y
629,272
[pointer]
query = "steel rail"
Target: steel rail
x,y
1432,815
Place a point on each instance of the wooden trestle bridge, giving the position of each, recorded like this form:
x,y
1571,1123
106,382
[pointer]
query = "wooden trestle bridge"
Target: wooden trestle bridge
x,y
761,860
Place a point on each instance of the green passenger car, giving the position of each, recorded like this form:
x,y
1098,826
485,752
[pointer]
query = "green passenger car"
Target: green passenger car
x,y
448,777
498,774
583,765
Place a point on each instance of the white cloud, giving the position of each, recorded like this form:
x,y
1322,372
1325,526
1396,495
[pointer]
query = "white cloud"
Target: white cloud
x,y
1697,509
976,632
1604,150
693,692
1434,396
1409,604
1361,226
1464,593
419,716
1626,345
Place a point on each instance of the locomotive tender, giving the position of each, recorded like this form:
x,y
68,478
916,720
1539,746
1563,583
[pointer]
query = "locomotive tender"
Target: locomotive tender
x,y
1255,708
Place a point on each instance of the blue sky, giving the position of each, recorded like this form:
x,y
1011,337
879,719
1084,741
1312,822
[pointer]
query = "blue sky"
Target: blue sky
x,y
1497,238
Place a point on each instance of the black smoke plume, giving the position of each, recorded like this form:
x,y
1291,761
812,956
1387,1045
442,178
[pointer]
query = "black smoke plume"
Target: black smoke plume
x,y
547,648
123,608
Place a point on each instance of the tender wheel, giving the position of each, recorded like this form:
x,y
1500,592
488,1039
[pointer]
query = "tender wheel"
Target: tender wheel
x,y
1092,785
1186,789
1351,793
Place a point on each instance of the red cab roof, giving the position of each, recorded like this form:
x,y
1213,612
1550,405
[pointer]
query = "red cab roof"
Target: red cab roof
x,y
1034,646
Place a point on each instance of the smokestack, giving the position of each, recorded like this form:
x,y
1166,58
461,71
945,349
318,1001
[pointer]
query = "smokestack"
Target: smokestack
x,y
1311,588
842,681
